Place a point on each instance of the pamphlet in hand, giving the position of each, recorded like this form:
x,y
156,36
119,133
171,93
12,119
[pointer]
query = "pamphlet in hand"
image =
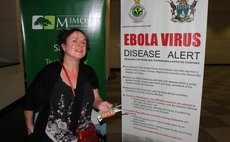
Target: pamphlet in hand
x,y
108,113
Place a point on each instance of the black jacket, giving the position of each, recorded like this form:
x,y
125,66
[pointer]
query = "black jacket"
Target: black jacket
x,y
38,95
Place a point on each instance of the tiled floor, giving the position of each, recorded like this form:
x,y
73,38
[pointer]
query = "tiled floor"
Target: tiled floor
x,y
215,111
214,121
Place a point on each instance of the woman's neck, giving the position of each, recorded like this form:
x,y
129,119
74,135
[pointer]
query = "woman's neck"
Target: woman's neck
x,y
71,65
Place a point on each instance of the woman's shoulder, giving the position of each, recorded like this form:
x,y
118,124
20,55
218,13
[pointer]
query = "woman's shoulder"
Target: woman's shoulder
x,y
90,75
53,65
51,68
86,68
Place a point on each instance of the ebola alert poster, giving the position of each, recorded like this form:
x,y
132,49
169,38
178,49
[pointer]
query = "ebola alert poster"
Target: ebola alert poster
x,y
162,64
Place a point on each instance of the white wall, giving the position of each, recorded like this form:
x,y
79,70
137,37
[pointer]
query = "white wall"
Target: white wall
x,y
8,36
12,85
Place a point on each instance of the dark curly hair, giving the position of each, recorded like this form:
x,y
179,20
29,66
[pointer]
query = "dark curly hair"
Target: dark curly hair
x,y
64,34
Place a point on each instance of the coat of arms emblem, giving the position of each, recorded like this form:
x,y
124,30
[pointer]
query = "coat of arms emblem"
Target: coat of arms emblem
x,y
182,11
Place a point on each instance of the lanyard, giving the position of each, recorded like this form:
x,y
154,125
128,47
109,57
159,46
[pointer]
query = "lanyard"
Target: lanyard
x,y
71,85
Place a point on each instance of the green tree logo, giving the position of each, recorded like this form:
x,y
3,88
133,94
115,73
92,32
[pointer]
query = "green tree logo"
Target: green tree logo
x,y
43,22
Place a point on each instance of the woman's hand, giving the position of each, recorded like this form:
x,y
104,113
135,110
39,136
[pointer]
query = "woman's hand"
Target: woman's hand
x,y
99,103
30,129
29,121
104,105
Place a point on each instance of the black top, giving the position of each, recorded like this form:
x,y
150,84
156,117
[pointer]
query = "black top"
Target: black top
x,y
59,121
38,96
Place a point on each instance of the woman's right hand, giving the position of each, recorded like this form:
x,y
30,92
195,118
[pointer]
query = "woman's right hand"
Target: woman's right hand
x,y
30,129
29,121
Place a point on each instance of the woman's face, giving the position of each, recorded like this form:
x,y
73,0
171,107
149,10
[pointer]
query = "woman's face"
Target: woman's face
x,y
75,45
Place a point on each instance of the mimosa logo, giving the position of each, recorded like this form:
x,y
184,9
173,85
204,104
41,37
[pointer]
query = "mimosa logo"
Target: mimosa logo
x,y
40,22
57,22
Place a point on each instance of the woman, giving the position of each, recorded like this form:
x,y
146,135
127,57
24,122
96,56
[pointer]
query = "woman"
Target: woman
x,y
64,93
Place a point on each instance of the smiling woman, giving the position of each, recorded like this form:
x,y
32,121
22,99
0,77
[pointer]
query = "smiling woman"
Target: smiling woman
x,y
67,90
